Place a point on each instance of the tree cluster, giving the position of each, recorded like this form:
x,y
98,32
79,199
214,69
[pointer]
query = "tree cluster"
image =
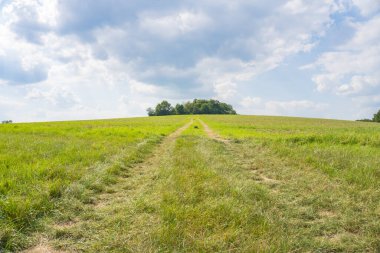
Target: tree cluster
x,y
197,106
6,122
376,118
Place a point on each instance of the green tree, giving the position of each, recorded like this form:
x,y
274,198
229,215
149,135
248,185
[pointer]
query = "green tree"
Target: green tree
x,y
197,106
164,108
180,109
151,112
376,117
205,109
189,107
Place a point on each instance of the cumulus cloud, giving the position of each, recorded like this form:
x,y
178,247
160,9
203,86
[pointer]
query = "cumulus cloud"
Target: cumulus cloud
x,y
185,37
71,53
354,68
249,102
13,71
59,97
143,88
30,20
172,26
367,7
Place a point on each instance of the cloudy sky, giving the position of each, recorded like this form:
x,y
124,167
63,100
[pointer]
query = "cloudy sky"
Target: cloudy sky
x,y
70,59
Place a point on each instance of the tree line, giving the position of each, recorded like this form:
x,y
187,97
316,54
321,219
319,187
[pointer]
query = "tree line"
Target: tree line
x,y
376,118
197,106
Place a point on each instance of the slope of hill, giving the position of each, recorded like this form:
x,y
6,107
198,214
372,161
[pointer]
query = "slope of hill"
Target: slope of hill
x,y
191,183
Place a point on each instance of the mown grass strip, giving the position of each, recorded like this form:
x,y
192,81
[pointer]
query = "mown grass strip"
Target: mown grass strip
x,y
208,206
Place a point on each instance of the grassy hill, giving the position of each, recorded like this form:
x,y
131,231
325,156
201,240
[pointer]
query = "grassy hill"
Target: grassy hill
x,y
191,183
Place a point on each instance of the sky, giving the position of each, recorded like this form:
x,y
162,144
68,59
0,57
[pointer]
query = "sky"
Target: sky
x,y
89,59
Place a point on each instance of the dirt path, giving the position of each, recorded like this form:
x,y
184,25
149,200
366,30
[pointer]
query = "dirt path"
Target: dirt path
x,y
211,134
109,209
140,169
177,133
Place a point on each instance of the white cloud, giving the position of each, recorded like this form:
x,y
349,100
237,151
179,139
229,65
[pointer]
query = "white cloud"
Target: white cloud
x,y
59,97
295,6
367,7
46,10
354,68
94,57
225,90
359,84
325,81
249,102
174,25
223,75
143,88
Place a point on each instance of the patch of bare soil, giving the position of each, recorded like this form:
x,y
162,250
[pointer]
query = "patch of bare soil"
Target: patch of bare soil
x,y
42,247
211,134
179,131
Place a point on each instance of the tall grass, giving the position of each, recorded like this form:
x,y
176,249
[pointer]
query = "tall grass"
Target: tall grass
x,y
39,161
345,149
281,184
208,205
328,171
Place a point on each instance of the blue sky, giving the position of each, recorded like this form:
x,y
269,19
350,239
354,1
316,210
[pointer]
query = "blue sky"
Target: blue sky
x,y
69,59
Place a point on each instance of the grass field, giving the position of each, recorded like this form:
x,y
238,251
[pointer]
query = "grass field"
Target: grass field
x,y
324,175
191,184
39,161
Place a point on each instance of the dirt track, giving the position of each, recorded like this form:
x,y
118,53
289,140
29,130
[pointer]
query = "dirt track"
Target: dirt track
x,y
211,134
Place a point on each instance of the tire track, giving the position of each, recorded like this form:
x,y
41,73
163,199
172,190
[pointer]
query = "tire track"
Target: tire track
x,y
211,134
123,194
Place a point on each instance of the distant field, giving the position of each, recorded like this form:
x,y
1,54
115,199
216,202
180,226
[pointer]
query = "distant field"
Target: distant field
x,y
219,184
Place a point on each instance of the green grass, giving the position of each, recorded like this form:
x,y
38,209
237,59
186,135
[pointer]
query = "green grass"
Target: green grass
x,y
191,198
38,161
195,128
278,185
207,205
344,149
328,169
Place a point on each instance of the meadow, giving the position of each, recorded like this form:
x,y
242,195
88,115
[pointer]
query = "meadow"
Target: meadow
x,y
208,183
325,174
39,161
344,149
